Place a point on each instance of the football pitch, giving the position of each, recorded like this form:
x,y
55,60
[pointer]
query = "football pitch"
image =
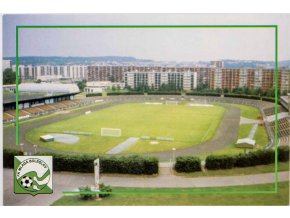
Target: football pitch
x,y
188,126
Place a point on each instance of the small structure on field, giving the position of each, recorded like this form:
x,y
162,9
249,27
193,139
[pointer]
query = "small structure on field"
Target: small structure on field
x,y
47,138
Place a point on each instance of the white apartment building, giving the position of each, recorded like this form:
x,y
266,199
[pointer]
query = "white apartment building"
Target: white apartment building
x,y
258,78
218,75
100,86
285,80
52,72
182,80
243,80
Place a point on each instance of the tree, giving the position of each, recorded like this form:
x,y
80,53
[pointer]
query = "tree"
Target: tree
x,y
258,91
81,85
113,88
9,77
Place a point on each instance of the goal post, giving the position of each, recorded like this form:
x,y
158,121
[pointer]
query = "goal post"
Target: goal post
x,y
171,102
111,132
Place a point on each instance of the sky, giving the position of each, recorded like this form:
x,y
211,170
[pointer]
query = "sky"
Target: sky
x,y
153,43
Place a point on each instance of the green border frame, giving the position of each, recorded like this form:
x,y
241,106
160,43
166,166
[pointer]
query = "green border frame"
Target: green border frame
x,y
214,191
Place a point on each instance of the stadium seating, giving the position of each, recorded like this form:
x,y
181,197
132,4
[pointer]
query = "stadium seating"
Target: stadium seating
x,y
283,129
271,110
9,116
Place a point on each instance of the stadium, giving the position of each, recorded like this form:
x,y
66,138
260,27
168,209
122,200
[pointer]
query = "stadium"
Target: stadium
x,y
163,126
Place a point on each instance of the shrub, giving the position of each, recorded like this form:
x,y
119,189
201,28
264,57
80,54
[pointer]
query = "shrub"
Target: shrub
x,y
270,99
129,165
204,93
124,165
242,96
219,162
164,93
105,188
259,157
86,196
125,93
187,164
93,94
8,157
283,153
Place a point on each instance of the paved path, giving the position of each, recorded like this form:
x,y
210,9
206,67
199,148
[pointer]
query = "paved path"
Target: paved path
x,y
71,181
253,131
279,115
123,146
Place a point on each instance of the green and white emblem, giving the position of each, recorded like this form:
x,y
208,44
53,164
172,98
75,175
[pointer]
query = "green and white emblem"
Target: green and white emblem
x,y
33,175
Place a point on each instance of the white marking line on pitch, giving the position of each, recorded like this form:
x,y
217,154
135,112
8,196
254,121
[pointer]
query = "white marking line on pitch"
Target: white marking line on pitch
x,y
123,146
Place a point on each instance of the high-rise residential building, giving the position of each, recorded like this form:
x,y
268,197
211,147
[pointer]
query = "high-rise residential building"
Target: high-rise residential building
x,y
230,78
284,81
181,80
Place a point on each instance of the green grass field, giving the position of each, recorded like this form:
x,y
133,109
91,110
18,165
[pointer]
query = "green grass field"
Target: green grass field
x,y
188,125
184,198
248,111
261,138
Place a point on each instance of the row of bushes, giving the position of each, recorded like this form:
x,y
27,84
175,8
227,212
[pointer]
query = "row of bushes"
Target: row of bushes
x,y
204,94
186,164
164,93
124,165
149,165
93,94
84,163
255,97
124,93
254,158
8,157
270,99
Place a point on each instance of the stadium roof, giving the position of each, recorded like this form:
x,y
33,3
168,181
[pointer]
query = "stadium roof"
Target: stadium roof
x,y
33,91
48,88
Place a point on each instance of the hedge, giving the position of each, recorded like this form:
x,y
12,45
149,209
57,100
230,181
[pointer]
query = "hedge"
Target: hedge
x,y
270,99
243,96
164,93
259,157
129,165
204,94
219,162
124,93
8,157
123,165
187,164
93,94
283,153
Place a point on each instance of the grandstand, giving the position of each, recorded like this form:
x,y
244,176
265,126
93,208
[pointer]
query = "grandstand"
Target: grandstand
x,y
9,116
271,110
283,127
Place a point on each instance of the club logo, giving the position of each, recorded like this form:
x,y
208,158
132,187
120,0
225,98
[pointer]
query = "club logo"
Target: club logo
x,y
33,175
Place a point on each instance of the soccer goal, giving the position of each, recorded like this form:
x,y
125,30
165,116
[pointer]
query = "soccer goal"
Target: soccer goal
x,y
111,132
171,102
